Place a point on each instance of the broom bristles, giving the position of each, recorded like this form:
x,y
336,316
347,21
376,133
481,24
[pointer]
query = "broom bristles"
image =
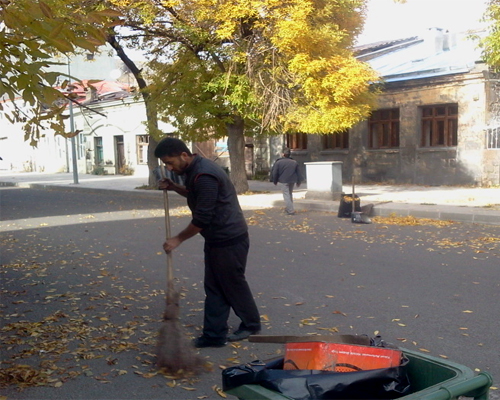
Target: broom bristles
x,y
174,351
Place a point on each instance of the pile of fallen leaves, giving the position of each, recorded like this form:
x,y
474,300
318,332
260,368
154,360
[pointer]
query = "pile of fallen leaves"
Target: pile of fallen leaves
x,y
58,343
25,375
409,220
82,326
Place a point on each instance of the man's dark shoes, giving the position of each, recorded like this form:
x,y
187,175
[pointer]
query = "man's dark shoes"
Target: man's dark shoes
x,y
205,341
241,334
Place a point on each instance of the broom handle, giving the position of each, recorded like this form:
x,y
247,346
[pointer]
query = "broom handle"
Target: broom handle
x,y
170,269
166,205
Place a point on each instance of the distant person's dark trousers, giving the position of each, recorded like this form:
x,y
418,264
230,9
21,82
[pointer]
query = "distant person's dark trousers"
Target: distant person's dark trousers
x,y
287,189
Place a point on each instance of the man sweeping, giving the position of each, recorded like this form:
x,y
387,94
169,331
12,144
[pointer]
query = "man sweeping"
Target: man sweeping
x,y
217,216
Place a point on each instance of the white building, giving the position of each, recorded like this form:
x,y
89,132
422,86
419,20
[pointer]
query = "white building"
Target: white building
x,y
111,119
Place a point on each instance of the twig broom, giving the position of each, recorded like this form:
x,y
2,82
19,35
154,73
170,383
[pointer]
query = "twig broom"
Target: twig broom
x,y
174,351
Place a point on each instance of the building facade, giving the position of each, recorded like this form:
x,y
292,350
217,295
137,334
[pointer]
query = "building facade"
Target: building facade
x,y
112,140
436,122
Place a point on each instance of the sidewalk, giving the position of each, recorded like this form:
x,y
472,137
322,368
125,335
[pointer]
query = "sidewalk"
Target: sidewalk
x,y
462,204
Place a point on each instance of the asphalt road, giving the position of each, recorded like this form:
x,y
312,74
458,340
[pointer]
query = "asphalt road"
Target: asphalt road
x,y
83,278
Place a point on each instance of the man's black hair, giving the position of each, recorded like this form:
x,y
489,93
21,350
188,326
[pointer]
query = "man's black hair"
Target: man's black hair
x,y
171,147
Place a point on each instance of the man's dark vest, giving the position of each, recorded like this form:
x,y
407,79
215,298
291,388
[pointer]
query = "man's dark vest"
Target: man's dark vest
x,y
229,222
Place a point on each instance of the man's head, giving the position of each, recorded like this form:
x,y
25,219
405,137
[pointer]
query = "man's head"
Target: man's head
x,y
287,152
174,153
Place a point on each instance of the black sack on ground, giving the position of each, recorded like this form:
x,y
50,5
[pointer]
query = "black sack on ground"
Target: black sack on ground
x,y
345,206
385,383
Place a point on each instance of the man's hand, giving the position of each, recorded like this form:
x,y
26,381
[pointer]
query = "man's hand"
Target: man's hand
x,y
187,233
171,244
166,184
169,184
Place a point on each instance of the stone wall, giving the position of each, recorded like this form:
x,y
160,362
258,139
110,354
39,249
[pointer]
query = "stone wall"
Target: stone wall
x,y
491,161
468,163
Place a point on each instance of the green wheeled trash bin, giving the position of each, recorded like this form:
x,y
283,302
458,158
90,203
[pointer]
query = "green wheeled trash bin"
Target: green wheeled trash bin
x,y
431,378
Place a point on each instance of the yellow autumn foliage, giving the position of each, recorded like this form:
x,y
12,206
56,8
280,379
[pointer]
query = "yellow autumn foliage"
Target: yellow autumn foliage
x,y
287,64
33,32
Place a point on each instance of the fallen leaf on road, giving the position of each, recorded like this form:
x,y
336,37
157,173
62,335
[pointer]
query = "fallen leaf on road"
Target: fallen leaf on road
x,y
219,391
339,312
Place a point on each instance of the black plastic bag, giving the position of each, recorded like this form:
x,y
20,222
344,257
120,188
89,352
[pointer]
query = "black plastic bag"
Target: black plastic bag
x,y
360,218
345,206
385,383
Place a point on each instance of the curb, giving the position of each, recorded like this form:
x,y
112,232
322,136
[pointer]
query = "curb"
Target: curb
x,y
440,212
11,184
142,193
463,214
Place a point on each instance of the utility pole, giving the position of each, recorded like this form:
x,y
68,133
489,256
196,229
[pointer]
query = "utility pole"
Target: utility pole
x,y
72,129
73,144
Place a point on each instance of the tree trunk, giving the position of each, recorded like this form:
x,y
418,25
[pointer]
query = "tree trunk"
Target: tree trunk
x,y
236,149
154,136
152,162
151,114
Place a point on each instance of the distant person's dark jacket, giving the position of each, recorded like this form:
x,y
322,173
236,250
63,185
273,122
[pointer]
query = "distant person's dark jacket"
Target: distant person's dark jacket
x,y
286,170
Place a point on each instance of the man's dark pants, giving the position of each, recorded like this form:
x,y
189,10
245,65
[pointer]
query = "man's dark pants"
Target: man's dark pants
x,y
225,288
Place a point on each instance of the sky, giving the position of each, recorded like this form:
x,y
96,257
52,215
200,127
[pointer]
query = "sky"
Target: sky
x,y
389,20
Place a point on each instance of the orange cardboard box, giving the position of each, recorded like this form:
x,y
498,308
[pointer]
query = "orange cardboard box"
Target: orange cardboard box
x,y
339,357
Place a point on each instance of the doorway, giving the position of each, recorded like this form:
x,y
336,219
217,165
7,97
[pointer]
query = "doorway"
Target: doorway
x,y
119,153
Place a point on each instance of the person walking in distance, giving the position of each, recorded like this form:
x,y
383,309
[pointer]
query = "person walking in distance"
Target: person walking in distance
x,y
217,216
286,172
